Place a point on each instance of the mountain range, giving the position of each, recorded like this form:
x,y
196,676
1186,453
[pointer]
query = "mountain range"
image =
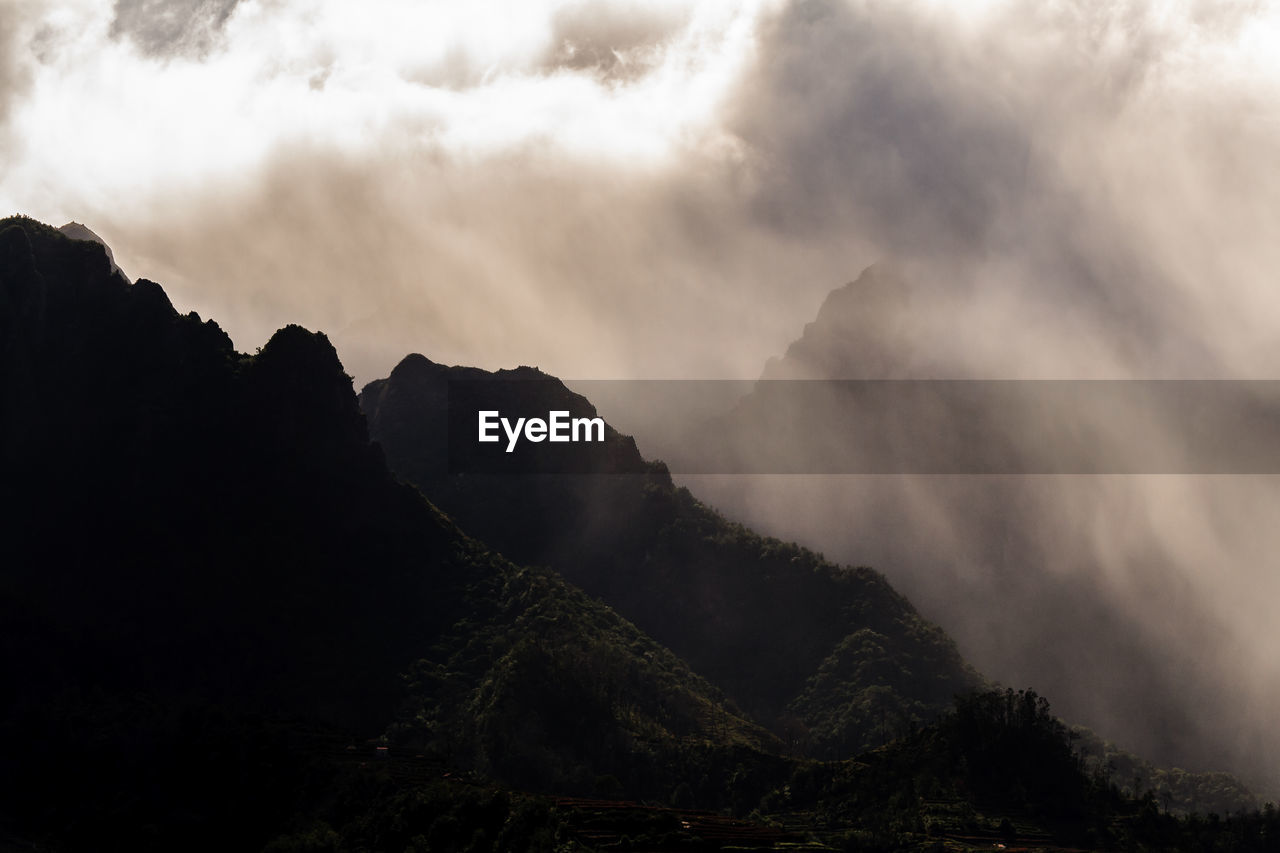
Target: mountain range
x,y
1066,581
244,608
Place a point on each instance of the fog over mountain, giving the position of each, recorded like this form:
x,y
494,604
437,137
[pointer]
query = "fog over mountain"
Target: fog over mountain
x,y
1074,189
1141,599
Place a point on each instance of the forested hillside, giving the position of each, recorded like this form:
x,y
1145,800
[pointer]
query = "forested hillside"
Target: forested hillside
x,y
205,555
830,657
228,626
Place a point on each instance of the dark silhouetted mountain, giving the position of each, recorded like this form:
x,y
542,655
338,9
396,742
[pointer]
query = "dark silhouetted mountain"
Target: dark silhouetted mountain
x,y
227,626
205,559
77,231
831,657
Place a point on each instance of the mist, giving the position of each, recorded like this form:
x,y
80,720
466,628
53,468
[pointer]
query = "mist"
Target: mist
x,y
1072,193
619,190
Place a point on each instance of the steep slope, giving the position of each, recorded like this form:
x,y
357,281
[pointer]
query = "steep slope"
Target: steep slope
x,y
831,656
1068,583
211,584
79,231
205,560
863,330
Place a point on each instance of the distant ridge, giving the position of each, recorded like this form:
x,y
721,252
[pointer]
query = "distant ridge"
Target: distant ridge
x,y
861,331
225,625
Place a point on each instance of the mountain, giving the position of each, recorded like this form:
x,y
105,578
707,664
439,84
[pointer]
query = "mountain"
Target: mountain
x,y
78,231
208,570
1066,583
830,657
226,625
863,330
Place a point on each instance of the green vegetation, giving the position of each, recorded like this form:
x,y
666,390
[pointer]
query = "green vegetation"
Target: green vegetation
x,y
227,626
548,690
998,769
831,658
1177,791
200,538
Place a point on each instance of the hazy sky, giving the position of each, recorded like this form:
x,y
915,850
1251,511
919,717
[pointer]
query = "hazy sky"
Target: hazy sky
x,y
1081,188
667,189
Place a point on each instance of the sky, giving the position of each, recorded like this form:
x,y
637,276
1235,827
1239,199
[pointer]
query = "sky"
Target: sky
x,y
614,189
1075,188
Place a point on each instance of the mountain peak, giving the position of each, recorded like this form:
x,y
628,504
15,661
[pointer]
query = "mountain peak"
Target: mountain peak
x,y
414,363
862,331
879,288
79,231
409,413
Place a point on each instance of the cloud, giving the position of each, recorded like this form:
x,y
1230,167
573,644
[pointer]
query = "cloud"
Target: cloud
x,y
475,81
164,28
887,131
1074,189
1034,155
532,259
15,72
547,208
614,41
